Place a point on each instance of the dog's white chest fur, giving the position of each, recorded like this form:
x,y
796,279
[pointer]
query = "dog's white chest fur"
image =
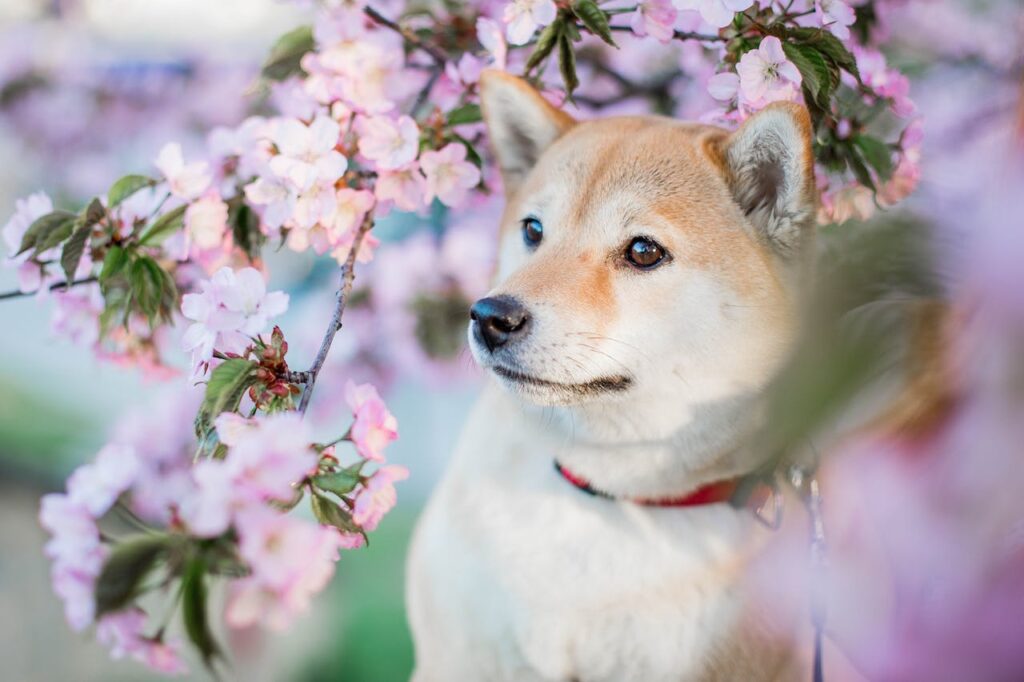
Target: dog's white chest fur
x,y
516,575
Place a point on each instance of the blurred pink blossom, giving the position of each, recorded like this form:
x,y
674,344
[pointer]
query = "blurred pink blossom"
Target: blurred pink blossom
x,y
26,211
389,143
374,425
378,496
524,17
185,181
718,13
656,18
449,176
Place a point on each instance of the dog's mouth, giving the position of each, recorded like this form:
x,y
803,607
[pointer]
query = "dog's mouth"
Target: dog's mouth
x,y
610,384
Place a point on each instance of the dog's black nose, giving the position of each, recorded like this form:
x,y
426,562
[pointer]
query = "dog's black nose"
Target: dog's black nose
x,y
498,320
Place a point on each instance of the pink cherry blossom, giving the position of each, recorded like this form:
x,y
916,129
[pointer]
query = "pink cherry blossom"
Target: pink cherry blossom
x,y
291,560
351,208
123,633
265,458
268,459
76,588
389,143
314,206
656,18
367,73
724,86
766,75
230,308
77,555
276,195
718,13
185,181
887,82
406,187
836,15
206,221
374,426
307,154
489,33
26,212
524,17
97,485
366,248
449,175
76,314
378,496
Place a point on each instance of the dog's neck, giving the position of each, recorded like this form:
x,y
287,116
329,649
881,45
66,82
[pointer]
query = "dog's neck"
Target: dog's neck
x,y
655,448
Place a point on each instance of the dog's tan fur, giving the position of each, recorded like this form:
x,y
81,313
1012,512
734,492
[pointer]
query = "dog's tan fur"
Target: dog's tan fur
x,y
515,575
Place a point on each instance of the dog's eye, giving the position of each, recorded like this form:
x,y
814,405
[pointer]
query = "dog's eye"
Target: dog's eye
x,y
645,253
533,231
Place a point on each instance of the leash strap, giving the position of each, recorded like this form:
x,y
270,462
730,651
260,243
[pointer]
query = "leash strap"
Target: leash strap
x,y
807,484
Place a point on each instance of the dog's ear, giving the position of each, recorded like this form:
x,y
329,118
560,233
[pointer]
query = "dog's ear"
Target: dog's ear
x,y
520,123
769,167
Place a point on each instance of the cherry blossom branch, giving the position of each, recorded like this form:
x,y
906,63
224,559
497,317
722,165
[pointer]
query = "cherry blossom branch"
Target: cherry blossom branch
x,y
347,276
678,35
53,287
414,40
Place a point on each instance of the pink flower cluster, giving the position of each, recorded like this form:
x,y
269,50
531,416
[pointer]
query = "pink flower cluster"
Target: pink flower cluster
x,y
227,312
77,552
148,467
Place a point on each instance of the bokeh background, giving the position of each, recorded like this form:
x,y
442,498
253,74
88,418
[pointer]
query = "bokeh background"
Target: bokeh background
x,y
91,89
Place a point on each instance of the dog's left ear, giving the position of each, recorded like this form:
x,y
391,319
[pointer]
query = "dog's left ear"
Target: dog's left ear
x,y
769,167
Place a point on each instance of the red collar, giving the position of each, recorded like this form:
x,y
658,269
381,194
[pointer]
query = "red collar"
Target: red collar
x,y
711,493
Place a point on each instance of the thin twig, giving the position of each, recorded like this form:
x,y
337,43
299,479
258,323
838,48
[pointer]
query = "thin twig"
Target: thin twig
x,y
414,40
678,35
421,98
347,276
52,287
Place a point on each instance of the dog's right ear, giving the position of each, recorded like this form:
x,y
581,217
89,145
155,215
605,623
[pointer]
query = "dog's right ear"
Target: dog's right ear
x,y
520,123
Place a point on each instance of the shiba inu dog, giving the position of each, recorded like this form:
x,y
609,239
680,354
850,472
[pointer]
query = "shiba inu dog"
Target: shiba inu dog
x,y
646,293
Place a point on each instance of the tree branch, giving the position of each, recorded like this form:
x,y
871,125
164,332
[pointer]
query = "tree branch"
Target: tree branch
x,y
345,287
53,287
414,40
678,35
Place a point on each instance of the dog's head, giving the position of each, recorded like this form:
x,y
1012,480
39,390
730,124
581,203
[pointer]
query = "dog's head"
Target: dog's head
x,y
641,257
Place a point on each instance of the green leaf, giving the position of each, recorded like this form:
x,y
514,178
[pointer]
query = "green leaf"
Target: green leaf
x,y
245,229
471,153
830,46
859,168
125,187
228,383
876,153
113,263
194,611
285,59
146,283
467,113
164,227
94,213
567,65
74,248
545,45
39,232
330,514
817,79
595,19
340,482
122,576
